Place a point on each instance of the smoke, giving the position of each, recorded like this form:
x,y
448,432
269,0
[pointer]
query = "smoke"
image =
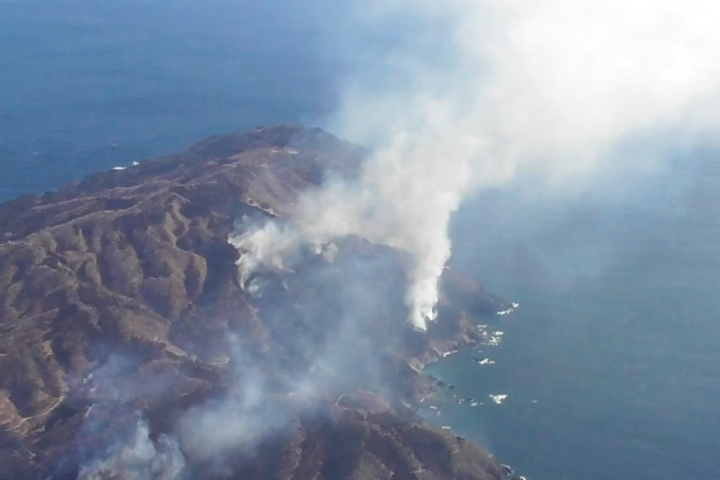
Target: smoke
x,y
229,425
456,97
138,458
466,95
325,319
237,421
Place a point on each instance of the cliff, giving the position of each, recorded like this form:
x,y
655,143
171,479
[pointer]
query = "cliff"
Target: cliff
x,y
121,310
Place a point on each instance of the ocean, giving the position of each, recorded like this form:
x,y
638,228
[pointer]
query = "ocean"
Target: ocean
x,y
611,363
87,85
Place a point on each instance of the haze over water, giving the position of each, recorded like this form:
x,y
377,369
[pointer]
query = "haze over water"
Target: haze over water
x,y
617,334
616,337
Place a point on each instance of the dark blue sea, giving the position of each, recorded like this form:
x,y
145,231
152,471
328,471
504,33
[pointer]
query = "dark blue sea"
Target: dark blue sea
x,y
611,363
86,85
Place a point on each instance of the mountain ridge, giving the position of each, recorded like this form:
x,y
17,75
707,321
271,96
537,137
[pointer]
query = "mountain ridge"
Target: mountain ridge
x,y
119,297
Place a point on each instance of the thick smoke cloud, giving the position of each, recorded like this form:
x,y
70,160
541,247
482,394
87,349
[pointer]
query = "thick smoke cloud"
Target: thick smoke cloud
x,y
479,93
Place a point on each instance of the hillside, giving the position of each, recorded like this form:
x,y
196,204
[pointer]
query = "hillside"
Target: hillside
x,y
128,348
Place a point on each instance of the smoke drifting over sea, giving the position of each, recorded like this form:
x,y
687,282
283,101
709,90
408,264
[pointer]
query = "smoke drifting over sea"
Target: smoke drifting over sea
x,y
458,97
467,95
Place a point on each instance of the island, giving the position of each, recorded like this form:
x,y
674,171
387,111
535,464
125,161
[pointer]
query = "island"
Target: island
x,y
129,348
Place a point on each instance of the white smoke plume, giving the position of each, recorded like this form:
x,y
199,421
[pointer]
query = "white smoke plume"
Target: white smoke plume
x,y
139,459
488,91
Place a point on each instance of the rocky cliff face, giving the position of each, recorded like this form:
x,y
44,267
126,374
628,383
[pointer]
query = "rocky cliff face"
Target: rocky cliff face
x,y
129,350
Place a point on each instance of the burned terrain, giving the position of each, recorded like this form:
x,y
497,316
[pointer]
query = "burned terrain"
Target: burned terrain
x,y
122,318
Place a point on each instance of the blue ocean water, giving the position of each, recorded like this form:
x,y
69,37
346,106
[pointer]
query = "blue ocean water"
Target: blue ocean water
x,y
86,85
612,361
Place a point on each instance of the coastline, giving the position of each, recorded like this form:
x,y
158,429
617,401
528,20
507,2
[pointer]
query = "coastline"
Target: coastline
x,y
481,334
178,212
489,336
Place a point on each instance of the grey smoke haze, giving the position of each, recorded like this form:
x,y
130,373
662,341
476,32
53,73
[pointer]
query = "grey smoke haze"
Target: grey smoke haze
x,y
237,421
138,458
345,297
475,94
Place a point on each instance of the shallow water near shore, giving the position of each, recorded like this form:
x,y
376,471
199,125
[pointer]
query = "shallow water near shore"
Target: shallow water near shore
x,y
572,410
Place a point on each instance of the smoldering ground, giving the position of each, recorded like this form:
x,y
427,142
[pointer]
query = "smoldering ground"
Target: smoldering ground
x,y
334,325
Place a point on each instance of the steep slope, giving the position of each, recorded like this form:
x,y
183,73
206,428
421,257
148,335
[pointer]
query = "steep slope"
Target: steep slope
x,y
119,298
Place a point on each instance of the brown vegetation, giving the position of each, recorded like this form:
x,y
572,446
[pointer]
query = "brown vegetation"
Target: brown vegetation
x,y
136,263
